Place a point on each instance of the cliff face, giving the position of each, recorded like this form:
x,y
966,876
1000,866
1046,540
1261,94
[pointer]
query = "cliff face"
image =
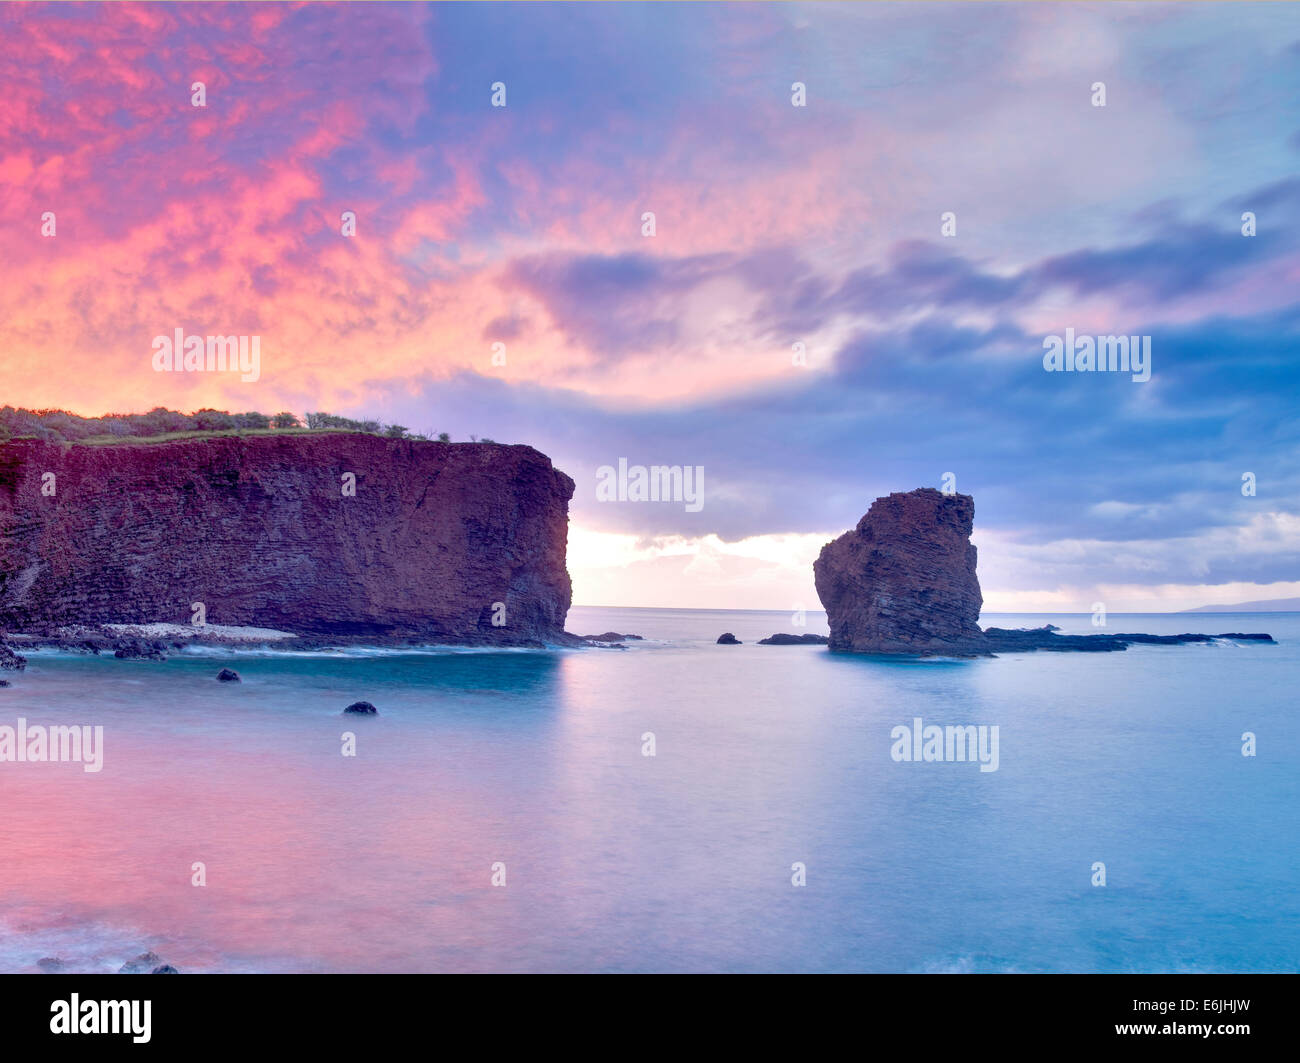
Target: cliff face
x,y
903,580
260,531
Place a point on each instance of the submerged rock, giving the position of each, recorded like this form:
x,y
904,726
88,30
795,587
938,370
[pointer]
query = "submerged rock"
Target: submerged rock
x,y
51,964
728,639
228,675
782,639
10,661
361,708
611,636
138,649
165,968
143,963
1004,640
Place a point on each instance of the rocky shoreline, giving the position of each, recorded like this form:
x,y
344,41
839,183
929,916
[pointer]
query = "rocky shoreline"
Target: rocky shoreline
x,y
159,641
1004,640
995,640
145,963
137,642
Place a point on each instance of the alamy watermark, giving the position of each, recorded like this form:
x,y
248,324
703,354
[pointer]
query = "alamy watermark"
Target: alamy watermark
x,y
179,353
654,483
1098,354
58,744
934,743
75,1015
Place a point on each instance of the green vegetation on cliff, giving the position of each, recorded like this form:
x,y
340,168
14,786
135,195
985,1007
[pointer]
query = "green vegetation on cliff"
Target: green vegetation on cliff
x,y
56,426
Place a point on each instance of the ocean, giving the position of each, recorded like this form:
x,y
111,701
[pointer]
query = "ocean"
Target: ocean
x,y
528,769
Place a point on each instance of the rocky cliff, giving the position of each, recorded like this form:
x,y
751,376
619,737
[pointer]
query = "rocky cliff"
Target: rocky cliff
x,y
903,580
437,542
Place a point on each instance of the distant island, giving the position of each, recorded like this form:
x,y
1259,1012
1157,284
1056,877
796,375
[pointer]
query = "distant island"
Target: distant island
x,y
1269,605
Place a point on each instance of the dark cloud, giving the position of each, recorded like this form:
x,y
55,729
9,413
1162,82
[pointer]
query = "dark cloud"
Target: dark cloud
x,y
613,304
505,328
629,303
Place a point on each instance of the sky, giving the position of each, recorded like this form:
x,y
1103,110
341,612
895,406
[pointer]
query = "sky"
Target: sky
x,y
801,324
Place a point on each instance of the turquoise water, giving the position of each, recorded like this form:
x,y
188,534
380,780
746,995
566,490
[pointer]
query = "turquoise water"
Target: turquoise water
x,y
615,861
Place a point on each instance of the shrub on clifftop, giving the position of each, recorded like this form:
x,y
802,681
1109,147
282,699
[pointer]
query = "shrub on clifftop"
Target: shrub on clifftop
x,y
60,426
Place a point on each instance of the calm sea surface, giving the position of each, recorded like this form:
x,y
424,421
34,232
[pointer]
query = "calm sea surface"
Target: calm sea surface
x,y
615,861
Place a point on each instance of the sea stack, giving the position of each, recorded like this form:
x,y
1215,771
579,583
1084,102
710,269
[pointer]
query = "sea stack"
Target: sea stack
x,y
903,581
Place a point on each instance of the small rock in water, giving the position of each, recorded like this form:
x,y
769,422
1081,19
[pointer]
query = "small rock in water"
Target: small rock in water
x,y
146,961
14,662
228,675
782,639
166,968
728,639
51,964
5,683
361,708
611,636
